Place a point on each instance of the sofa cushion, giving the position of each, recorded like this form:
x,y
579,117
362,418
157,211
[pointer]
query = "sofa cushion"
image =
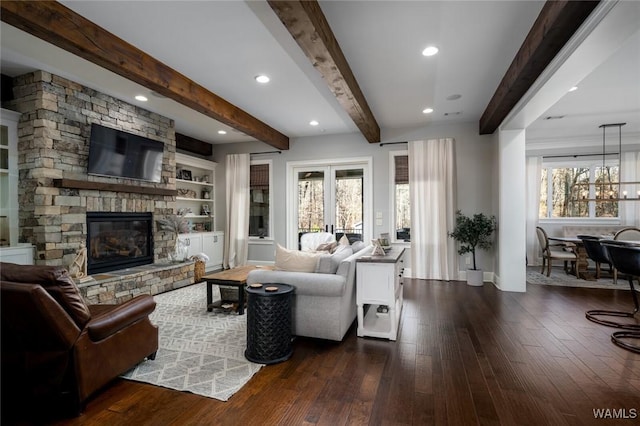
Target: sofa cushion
x,y
295,261
329,247
357,246
56,281
328,263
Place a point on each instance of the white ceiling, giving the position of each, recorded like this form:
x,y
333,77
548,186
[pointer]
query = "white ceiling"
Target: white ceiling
x,y
223,45
609,94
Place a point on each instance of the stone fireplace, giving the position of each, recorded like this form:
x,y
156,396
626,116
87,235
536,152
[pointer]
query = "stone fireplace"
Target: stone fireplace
x,y
59,202
118,240
53,145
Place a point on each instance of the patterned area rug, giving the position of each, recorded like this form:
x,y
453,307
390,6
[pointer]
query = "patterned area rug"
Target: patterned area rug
x,y
559,278
200,352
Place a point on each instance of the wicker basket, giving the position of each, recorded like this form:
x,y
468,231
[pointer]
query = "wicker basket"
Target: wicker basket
x,y
228,293
199,270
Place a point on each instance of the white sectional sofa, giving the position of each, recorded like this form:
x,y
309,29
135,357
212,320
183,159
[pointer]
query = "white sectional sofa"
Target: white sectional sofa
x,y
324,304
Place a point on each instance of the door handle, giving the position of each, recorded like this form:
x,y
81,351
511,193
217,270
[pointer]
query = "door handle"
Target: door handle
x,y
332,229
326,228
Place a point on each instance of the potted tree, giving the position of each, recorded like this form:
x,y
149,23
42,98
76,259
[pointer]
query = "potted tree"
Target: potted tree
x,y
471,233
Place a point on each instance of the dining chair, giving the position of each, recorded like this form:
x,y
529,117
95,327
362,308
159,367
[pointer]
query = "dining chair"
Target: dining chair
x,y
596,252
629,233
559,251
625,257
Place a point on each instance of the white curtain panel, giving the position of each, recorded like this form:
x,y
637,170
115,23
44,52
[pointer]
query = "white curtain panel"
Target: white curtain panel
x,y
432,192
534,174
630,172
236,245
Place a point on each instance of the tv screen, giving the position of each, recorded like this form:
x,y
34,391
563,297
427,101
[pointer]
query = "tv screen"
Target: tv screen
x,y
120,154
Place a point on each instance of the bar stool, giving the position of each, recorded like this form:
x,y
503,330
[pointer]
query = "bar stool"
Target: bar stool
x,y
625,257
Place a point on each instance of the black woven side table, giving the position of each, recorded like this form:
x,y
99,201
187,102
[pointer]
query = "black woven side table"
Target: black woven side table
x,y
269,323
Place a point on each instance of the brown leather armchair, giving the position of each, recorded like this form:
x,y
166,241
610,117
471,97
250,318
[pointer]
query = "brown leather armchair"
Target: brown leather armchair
x,y
55,347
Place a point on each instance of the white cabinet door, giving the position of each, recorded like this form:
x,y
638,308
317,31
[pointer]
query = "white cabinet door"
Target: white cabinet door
x,y
193,242
9,178
208,246
218,250
21,254
212,243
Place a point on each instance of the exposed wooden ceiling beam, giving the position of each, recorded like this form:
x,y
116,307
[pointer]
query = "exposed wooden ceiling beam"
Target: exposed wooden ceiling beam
x,y
194,145
310,29
62,27
557,22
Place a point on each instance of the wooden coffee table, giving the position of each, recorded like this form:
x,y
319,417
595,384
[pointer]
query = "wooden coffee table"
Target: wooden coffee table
x,y
235,277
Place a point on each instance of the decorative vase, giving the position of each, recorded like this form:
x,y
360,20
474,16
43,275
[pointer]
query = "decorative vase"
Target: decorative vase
x,y
180,251
474,277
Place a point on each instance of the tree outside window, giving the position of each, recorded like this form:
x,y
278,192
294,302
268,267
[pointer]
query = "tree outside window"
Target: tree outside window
x,y
402,204
579,192
311,202
260,199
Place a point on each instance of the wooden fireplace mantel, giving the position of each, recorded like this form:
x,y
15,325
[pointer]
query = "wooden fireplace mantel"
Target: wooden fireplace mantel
x,y
115,187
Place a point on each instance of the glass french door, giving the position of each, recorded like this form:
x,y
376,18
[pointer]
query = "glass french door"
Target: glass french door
x,y
330,198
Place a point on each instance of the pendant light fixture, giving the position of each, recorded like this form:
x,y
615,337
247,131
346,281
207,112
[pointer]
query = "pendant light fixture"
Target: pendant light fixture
x,y
626,191
623,194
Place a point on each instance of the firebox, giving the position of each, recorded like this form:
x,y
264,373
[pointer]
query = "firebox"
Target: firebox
x,y
118,240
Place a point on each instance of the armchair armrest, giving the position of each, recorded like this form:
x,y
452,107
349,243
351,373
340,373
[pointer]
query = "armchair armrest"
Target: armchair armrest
x,y
120,317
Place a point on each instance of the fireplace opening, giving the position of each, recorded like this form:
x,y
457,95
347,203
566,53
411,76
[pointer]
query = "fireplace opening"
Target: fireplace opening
x,y
118,241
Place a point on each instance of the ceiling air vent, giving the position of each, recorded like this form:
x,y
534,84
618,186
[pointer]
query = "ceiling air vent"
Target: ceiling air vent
x,y
452,114
554,117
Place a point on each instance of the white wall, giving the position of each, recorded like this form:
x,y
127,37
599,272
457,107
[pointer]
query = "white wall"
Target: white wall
x,y
475,159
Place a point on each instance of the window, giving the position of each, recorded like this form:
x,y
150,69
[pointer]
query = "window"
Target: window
x,y
400,197
333,195
579,191
260,199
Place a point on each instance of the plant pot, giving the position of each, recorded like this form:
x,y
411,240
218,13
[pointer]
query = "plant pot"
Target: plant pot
x,y
474,277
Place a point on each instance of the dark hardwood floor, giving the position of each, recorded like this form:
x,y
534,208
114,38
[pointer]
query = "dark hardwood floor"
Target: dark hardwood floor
x,y
465,355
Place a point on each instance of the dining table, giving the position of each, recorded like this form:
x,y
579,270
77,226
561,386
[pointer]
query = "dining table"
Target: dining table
x,y
582,261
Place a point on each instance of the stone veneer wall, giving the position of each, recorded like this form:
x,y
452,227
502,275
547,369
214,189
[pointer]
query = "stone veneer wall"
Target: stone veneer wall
x,y
154,280
53,142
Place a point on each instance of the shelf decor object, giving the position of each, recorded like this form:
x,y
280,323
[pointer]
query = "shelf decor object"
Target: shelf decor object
x,y
175,224
195,199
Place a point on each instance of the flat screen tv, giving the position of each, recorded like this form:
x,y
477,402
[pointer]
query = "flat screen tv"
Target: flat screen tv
x,y
120,154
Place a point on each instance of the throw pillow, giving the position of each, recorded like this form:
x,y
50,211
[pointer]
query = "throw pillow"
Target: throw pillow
x,y
327,246
357,246
295,261
344,241
328,263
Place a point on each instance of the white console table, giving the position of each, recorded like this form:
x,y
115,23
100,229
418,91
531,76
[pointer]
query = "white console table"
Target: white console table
x,y
379,283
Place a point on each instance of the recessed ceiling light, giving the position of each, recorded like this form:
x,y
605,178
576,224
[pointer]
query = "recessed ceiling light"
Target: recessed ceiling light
x,y
430,51
141,98
573,89
427,110
222,132
313,123
262,79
